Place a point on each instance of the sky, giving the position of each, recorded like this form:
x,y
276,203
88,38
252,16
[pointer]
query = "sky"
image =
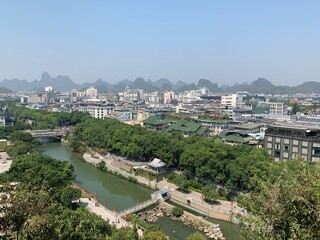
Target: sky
x,y
223,41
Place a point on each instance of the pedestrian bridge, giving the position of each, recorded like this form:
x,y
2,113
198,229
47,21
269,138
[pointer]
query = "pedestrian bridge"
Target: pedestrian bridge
x,y
57,132
158,195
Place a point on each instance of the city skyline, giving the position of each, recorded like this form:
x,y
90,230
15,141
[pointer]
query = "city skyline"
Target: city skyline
x,y
225,42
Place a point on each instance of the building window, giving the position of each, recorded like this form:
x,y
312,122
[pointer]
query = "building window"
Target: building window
x,y
277,153
277,146
295,142
286,148
316,151
316,145
304,151
305,144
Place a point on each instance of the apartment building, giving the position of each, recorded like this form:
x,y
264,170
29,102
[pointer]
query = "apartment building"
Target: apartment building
x,y
96,110
288,141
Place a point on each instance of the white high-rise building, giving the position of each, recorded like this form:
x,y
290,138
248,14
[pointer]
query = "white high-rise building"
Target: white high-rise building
x,y
91,92
230,101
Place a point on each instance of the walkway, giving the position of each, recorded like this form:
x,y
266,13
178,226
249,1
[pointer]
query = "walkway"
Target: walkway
x,y
223,206
108,160
4,162
104,213
138,207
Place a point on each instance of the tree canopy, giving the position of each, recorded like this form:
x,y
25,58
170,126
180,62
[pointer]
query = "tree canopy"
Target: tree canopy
x,y
287,208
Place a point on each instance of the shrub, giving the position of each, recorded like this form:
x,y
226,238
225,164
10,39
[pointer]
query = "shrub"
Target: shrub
x,y
177,212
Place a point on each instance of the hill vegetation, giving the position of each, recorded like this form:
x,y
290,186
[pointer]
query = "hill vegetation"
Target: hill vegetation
x,y
64,83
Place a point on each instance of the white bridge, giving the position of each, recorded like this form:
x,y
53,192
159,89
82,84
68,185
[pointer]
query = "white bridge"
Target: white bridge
x,y
158,195
57,132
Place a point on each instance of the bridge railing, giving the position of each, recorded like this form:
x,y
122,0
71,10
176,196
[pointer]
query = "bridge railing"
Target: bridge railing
x,y
137,207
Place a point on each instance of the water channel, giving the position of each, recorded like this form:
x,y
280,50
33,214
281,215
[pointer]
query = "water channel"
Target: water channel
x,y
120,193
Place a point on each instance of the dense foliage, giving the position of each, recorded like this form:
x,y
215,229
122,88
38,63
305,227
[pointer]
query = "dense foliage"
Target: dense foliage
x,y
41,203
177,212
25,118
21,143
288,208
201,159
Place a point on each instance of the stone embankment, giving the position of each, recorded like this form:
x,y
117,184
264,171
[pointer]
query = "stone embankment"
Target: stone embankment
x,y
112,164
211,230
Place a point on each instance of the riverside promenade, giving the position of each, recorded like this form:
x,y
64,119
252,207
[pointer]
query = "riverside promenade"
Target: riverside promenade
x,y
104,213
109,164
224,210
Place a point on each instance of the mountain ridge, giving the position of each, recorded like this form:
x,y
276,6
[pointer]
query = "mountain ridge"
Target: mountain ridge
x,y
65,83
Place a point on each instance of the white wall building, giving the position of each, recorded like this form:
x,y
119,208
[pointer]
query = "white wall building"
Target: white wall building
x,y
230,101
97,111
168,97
91,92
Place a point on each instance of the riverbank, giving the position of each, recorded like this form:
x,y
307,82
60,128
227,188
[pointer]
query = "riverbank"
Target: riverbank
x,y
120,193
104,213
111,163
224,210
211,230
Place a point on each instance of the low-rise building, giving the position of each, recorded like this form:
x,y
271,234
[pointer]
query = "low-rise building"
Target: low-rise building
x,y
156,122
188,128
234,137
215,126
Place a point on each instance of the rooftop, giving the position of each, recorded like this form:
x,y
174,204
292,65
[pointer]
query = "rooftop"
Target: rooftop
x,y
157,163
235,136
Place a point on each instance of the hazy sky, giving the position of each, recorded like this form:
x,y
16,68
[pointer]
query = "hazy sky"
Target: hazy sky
x,y
224,41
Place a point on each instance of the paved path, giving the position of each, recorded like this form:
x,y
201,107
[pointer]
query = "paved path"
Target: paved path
x,y
104,213
108,160
223,206
4,162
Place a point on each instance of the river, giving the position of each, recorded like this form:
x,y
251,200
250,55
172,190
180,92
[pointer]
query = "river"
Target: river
x,y
120,193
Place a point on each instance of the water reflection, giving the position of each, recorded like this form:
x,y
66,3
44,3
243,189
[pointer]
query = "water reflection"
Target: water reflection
x,y
119,192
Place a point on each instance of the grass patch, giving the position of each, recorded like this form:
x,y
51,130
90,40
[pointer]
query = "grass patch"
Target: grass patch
x,y
3,146
145,174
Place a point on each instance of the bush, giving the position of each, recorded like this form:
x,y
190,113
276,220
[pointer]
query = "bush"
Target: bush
x,y
101,165
177,212
132,179
210,193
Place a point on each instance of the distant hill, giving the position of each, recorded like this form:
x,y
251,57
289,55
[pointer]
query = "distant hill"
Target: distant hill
x,y
178,85
64,83
213,87
5,90
187,87
308,87
140,83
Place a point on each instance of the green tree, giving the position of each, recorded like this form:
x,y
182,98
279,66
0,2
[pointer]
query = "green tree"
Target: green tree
x,y
68,195
210,193
288,208
177,212
155,235
196,236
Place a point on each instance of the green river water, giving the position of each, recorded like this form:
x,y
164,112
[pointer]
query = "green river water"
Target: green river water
x,y
121,193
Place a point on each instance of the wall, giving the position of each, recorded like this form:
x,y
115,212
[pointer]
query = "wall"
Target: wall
x,y
221,215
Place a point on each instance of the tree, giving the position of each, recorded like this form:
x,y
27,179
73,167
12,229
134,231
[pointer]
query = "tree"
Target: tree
x,y
210,193
196,236
177,212
155,235
288,208
69,194
295,108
